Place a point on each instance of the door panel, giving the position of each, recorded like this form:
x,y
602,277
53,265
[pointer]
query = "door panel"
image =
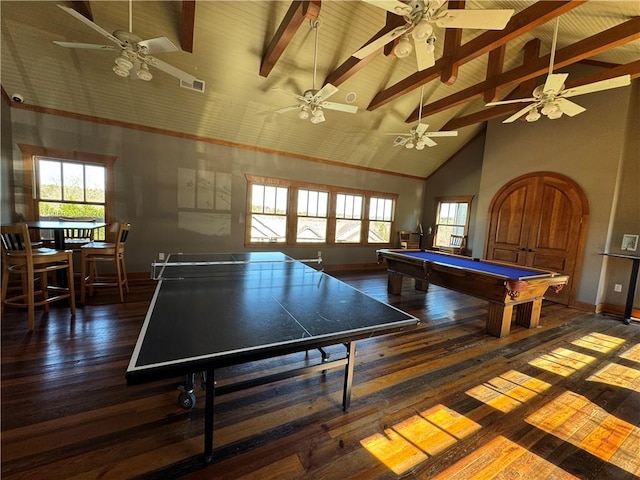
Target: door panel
x,y
539,220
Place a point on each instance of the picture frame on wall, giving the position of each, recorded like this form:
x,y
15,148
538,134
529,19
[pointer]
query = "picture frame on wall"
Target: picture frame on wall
x,y
629,242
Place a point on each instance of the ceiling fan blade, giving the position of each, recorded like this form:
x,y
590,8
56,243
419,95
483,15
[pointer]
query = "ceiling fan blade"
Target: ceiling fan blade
x,y
481,19
451,133
424,55
90,46
428,142
507,102
393,6
421,128
170,69
398,134
340,107
569,108
157,45
554,83
90,24
326,91
518,114
615,82
377,44
288,109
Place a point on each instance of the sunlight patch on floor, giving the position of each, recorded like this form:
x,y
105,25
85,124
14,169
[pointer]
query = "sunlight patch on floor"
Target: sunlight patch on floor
x,y
508,391
632,354
575,419
410,442
562,361
502,458
599,342
619,376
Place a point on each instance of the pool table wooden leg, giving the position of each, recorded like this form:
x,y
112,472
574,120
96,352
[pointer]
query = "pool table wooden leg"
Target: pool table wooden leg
x,y
528,314
499,320
394,283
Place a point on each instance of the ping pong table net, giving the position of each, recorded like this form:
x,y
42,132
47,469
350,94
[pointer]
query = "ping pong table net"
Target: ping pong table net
x,y
185,266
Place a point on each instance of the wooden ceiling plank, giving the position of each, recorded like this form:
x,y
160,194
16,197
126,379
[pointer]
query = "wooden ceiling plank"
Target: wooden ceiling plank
x,y
83,8
598,43
298,12
452,42
352,65
537,14
187,25
499,111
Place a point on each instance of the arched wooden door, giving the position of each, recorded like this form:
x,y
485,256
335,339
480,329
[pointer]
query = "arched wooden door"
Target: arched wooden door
x,y
539,220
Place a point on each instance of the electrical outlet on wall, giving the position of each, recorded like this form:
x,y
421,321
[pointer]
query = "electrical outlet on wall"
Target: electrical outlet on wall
x,y
160,256
617,287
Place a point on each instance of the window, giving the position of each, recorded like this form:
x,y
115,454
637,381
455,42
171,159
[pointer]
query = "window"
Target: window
x,y
452,218
59,183
380,216
296,213
269,213
312,216
348,218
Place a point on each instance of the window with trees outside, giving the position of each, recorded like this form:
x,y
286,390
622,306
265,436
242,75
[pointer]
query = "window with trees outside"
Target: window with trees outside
x,y
294,213
66,184
452,218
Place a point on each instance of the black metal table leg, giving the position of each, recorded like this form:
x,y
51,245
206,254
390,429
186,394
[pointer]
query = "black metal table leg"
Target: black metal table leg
x,y
208,417
348,375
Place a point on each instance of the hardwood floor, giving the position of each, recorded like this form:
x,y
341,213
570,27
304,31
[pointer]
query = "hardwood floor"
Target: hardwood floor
x,y
443,401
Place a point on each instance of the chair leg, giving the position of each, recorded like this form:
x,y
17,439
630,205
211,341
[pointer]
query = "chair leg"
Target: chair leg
x,y
83,278
126,277
30,298
72,293
119,278
45,290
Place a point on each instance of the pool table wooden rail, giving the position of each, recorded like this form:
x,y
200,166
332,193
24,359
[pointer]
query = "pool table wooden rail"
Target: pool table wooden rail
x,y
502,293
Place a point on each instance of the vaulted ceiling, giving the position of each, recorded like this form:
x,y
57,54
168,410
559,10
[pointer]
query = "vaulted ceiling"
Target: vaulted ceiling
x,y
252,55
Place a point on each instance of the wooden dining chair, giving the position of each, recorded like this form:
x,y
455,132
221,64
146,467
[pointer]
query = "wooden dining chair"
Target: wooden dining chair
x,y
20,258
96,252
74,238
457,245
406,240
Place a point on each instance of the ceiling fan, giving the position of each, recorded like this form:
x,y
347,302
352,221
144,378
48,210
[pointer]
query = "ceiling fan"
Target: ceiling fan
x,y
135,53
550,99
312,103
418,137
420,16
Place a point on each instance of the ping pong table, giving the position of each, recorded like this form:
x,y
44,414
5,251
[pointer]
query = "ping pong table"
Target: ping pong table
x,y
211,311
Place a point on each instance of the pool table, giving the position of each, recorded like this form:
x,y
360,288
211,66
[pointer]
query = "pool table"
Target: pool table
x,y
502,285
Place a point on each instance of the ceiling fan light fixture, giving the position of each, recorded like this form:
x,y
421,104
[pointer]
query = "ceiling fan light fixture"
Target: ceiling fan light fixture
x,y
403,48
422,30
124,63
144,73
303,114
420,145
121,72
555,114
549,108
409,144
533,115
317,116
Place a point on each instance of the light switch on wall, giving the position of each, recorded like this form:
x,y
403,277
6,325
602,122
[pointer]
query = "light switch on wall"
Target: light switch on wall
x,y
617,287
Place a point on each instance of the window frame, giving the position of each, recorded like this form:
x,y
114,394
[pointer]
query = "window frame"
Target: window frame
x,y
292,217
30,155
451,199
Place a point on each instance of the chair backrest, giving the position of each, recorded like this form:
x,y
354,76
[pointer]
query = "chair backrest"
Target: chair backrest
x,y
123,234
16,239
457,240
79,233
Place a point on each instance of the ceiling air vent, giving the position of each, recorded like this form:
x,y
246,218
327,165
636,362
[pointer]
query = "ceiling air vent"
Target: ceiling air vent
x,y
197,85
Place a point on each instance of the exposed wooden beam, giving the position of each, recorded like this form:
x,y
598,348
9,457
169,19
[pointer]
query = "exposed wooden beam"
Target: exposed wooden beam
x,y
298,12
537,14
452,42
494,68
501,111
83,8
352,65
187,25
603,41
